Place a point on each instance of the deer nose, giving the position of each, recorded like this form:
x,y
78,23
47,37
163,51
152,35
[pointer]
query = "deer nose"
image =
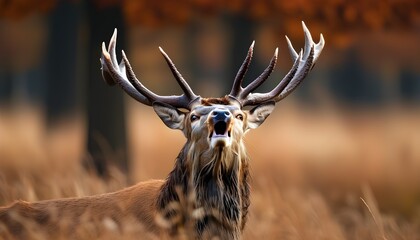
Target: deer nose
x,y
220,115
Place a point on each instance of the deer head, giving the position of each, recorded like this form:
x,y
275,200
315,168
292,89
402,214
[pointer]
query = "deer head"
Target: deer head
x,y
216,122
214,160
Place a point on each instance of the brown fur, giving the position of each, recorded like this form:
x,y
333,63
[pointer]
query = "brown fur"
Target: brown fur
x,y
211,101
137,201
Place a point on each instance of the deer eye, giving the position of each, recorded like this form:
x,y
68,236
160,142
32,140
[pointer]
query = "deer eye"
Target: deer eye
x,y
240,117
194,117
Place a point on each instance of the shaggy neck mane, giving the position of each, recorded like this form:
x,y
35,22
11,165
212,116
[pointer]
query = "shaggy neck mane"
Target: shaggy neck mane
x,y
216,180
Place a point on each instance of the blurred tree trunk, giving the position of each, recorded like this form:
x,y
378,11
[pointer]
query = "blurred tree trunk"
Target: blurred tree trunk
x,y
6,87
63,85
105,108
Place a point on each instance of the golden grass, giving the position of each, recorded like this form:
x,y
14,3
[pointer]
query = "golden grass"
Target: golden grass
x,y
322,174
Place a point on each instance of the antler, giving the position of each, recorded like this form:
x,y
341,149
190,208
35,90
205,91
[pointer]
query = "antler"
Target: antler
x,y
123,75
303,63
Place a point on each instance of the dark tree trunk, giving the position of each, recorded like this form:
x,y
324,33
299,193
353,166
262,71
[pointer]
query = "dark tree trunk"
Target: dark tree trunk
x,y
63,86
106,113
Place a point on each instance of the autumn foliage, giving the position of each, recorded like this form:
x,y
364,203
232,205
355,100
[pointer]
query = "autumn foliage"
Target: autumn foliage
x,y
334,14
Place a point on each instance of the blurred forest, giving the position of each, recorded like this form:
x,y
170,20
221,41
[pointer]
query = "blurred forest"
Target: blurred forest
x,y
49,51
352,125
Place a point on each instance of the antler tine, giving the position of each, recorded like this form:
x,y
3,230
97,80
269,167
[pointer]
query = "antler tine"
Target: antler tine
x,y
318,47
308,41
303,63
292,51
111,48
113,75
124,75
261,79
181,81
237,83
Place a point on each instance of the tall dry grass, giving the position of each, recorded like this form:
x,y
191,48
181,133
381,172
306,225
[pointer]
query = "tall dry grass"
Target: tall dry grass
x,y
324,174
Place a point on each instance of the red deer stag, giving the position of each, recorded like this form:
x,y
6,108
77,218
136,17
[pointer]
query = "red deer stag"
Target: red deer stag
x,y
212,167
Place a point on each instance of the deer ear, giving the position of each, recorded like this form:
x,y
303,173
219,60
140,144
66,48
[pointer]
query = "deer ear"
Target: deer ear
x,y
258,114
172,117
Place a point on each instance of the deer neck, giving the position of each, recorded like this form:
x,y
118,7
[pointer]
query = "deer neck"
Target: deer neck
x,y
216,180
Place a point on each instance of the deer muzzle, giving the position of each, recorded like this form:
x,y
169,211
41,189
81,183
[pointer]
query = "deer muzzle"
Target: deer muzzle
x,y
220,122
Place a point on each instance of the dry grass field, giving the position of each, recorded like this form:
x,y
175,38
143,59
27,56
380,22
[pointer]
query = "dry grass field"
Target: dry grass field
x,y
316,174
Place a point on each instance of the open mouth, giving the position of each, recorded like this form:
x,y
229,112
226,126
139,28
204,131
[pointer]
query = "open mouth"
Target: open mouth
x,y
220,136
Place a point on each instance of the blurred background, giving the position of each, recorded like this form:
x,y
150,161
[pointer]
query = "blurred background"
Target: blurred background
x,y
353,124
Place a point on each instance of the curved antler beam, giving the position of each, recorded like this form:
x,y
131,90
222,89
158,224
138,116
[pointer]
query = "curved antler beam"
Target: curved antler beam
x,y
303,64
123,75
